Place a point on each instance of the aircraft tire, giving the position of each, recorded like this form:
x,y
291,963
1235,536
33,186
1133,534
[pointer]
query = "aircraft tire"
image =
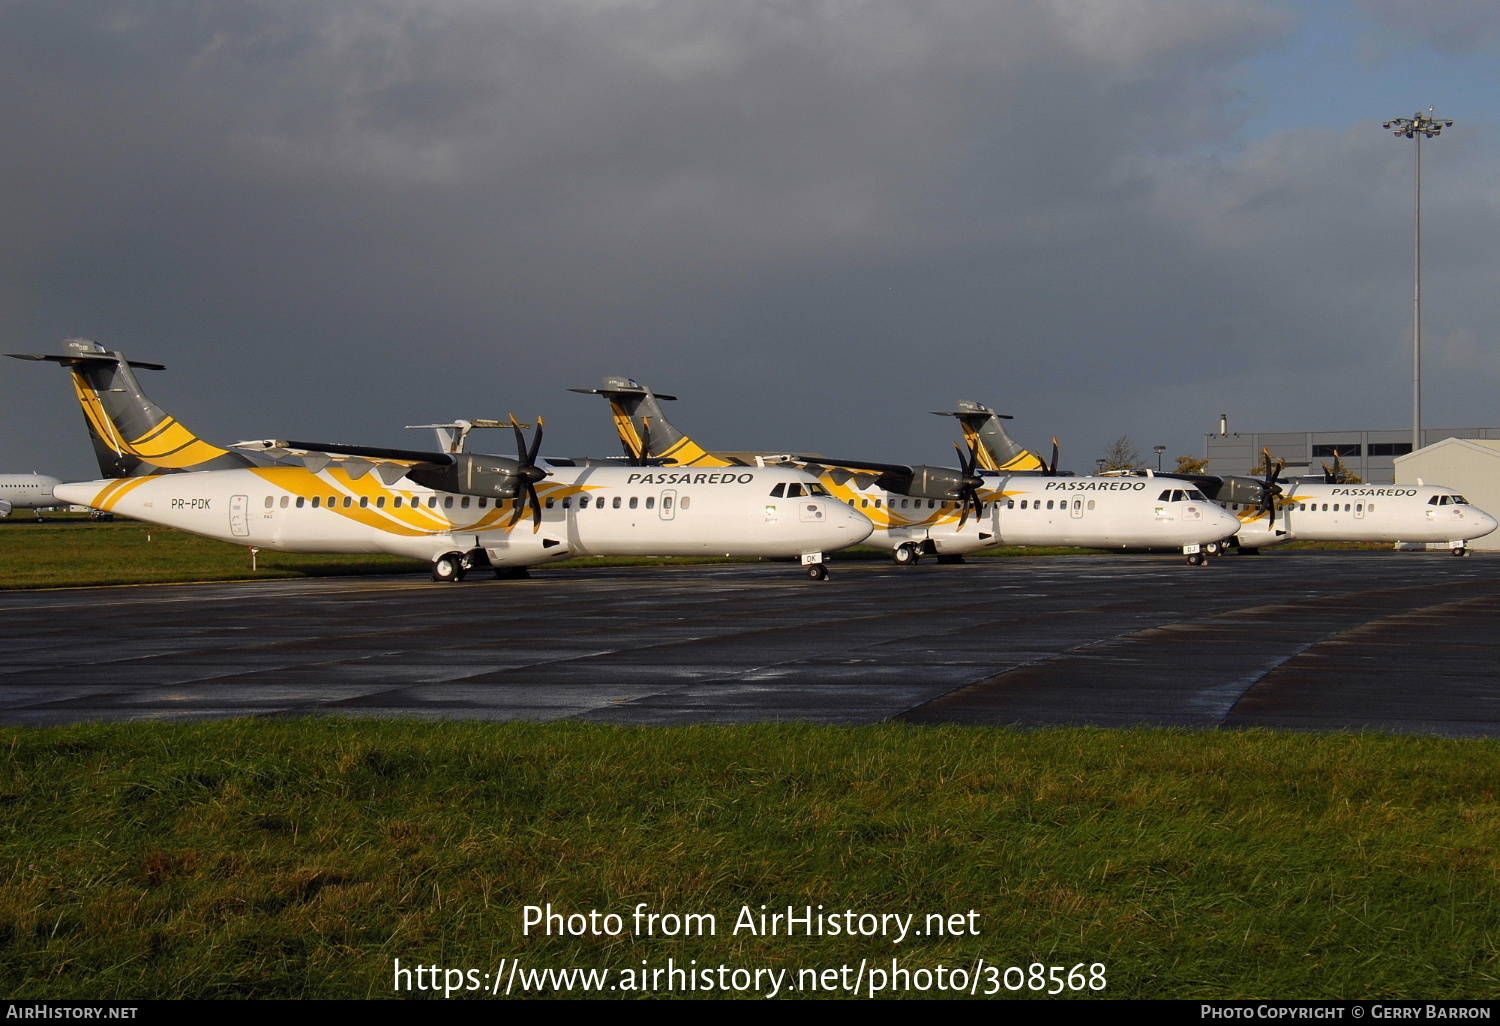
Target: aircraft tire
x,y
1460,550
448,568
817,572
1195,559
1213,548
905,555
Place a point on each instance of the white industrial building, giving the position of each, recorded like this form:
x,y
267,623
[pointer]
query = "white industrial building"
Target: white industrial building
x,y
1469,465
1367,452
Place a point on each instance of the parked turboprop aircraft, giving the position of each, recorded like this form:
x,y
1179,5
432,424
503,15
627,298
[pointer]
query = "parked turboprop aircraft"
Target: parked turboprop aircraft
x,y
459,510
1336,510
924,510
1273,511
27,491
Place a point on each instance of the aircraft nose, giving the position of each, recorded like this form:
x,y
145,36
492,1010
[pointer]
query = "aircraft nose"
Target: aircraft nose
x,y
854,526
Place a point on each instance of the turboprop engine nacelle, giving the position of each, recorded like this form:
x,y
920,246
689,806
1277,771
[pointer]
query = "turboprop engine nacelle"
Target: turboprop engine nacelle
x,y
472,474
933,483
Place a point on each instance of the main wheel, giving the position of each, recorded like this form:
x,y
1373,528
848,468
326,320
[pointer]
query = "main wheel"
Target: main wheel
x,y
448,568
817,572
905,555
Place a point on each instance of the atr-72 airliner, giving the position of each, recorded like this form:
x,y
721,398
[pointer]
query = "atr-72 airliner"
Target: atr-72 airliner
x,y
458,510
939,511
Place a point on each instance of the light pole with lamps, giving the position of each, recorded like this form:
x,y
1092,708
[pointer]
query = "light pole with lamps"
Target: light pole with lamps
x,y
1158,449
1417,127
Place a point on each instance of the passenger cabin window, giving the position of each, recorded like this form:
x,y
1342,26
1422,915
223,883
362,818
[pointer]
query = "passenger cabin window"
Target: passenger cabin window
x,y
447,502
285,501
316,499
549,502
300,501
650,502
270,501
686,501
616,503
348,501
380,502
666,502
364,502
633,501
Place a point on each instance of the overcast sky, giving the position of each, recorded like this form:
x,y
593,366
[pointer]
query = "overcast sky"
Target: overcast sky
x,y
813,221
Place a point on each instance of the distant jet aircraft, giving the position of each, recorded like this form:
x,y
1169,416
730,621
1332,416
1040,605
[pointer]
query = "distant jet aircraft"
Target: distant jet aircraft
x,y
28,491
458,510
925,510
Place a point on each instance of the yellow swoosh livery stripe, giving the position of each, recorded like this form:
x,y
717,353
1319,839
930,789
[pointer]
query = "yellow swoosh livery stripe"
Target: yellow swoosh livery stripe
x,y
168,445
410,519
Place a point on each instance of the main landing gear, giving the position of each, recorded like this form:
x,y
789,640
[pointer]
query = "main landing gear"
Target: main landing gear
x,y
449,568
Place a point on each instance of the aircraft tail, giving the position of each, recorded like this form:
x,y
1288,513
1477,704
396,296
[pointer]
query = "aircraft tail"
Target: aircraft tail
x,y
132,436
987,437
644,429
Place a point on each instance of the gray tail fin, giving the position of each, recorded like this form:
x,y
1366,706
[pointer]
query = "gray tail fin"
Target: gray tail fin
x,y
132,436
644,429
986,435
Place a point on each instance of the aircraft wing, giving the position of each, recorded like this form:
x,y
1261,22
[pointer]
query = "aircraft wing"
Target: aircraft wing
x,y
879,468
370,452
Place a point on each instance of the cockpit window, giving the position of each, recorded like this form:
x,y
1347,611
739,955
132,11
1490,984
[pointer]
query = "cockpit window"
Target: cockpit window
x,y
1165,496
793,491
816,489
1194,493
1459,500
779,492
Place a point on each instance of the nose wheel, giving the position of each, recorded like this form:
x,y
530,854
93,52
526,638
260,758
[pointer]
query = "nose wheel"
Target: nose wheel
x,y
1196,559
817,572
1460,550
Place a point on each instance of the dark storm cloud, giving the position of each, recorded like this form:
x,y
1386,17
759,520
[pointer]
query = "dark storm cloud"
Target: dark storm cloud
x,y
814,221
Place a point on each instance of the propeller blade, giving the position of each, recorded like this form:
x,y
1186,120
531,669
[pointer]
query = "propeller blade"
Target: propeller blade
x,y
536,443
1052,469
536,507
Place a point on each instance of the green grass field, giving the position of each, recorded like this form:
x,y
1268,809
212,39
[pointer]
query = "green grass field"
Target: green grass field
x,y
300,858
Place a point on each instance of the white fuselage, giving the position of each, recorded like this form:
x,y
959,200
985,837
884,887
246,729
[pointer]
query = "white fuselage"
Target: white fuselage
x,y
27,491
1365,512
1028,509
587,511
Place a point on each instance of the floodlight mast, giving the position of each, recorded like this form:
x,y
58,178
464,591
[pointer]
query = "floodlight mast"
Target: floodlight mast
x,y
1417,127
